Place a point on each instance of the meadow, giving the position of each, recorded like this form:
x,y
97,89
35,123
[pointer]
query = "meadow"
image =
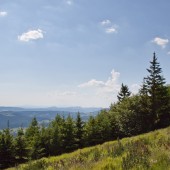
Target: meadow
x,y
149,151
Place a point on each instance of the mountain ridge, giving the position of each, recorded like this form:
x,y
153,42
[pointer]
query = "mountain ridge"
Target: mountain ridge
x,y
15,117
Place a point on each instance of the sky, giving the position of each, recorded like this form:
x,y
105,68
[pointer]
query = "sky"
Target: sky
x,y
79,52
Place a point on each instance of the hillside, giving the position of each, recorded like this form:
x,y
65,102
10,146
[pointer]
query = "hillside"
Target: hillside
x,y
146,151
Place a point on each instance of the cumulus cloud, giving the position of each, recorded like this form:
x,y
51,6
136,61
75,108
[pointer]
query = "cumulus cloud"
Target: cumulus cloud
x,y
160,41
106,22
110,85
3,13
31,35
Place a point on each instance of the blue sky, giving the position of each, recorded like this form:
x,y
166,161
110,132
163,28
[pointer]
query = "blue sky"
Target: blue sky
x,y
78,52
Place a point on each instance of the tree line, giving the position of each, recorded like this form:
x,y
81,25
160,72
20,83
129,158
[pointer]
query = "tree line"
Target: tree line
x,y
130,115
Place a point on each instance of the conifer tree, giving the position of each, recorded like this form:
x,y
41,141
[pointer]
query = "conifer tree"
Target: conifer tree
x,y
92,134
104,126
34,140
37,147
79,131
157,96
69,134
56,137
21,151
32,130
124,92
7,156
46,137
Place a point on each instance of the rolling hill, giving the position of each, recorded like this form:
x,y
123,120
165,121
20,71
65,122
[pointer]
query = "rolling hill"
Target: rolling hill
x,y
17,117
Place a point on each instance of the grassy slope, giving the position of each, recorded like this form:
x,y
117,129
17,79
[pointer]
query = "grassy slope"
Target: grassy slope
x,y
147,151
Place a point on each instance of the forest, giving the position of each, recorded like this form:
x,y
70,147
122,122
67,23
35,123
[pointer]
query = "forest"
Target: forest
x,y
131,115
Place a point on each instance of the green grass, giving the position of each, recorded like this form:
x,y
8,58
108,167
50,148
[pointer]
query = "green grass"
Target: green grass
x,y
147,151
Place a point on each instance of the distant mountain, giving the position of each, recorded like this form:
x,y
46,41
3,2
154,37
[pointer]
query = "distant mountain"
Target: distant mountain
x,y
75,109
68,109
4,108
17,116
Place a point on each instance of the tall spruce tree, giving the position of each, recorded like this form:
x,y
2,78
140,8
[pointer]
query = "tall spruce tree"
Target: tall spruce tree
x,y
7,155
79,131
57,135
34,143
21,151
157,96
92,134
124,92
69,134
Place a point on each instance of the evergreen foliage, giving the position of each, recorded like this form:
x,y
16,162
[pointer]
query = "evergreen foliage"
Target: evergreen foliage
x,y
92,135
7,154
57,140
20,145
69,135
155,96
79,131
124,92
34,142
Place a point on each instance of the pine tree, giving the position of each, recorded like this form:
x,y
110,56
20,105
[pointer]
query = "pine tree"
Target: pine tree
x,y
104,126
37,147
20,146
32,130
92,134
69,135
34,140
156,95
7,155
45,140
124,92
56,144
79,131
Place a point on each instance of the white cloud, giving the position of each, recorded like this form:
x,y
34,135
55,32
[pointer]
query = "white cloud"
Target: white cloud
x,y
102,92
168,53
3,13
108,26
160,41
92,83
111,30
106,22
31,35
110,85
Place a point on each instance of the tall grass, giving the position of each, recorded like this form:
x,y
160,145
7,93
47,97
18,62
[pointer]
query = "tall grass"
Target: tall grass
x,y
148,151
